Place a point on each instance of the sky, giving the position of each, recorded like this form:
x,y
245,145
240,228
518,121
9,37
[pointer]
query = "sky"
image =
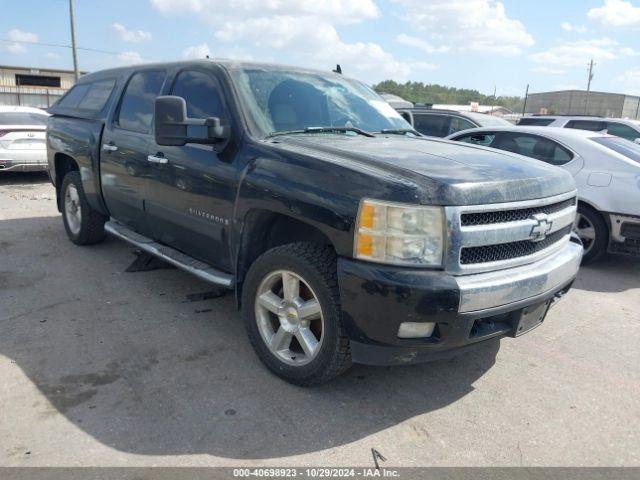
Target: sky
x,y
479,44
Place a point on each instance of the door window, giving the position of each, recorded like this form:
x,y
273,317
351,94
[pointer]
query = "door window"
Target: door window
x,y
534,146
200,92
537,122
136,109
458,124
431,124
593,125
622,130
483,139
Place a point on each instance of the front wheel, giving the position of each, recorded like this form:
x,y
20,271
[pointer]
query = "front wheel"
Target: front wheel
x,y
593,231
84,225
291,310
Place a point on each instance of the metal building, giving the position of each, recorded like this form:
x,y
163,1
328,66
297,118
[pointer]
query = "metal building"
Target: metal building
x,y
576,102
33,87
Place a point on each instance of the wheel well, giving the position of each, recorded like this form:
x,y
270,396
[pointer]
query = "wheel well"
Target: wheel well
x,y
264,230
63,165
605,218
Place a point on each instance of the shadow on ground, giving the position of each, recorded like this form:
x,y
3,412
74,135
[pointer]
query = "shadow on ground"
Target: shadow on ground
x,y
128,359
23,178
612,273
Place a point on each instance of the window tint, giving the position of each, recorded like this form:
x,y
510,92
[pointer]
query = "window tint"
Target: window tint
x,y
22,118
537,122
593,125
534,146
458,124
97,95
406,116
136,109
73,97
620,145
483,139
622,130
430,124
200,93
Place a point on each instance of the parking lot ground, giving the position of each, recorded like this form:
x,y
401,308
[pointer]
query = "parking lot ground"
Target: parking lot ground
x,y
102,367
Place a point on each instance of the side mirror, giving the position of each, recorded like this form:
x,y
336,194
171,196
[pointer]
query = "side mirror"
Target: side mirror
x,y
174,128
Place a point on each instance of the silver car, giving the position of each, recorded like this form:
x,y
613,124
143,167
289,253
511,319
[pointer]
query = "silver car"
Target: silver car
x,y
606,170
620,127
22,139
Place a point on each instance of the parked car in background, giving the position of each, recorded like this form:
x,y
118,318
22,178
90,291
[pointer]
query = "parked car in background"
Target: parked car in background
x,y
22,139
620,127
440,123
606,170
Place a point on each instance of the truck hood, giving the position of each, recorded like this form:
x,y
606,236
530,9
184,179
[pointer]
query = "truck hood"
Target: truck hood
x,y
446,173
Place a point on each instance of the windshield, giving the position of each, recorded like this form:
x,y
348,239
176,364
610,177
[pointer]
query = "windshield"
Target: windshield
x,y
623,147
22,118
283,101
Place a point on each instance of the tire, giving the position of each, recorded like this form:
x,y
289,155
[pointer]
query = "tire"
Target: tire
x,y
594,233
84,225
275,325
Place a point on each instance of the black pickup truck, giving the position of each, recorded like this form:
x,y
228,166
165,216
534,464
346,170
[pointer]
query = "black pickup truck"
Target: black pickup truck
x,y
345,235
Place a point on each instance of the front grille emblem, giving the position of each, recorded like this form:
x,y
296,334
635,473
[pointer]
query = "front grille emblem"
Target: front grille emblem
x,y
541,228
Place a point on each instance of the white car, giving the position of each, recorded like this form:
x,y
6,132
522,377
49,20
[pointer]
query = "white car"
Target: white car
x,y
620,127
22,139
606,170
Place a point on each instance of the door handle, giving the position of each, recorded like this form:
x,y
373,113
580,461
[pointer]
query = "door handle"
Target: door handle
x,y
157,159
109,147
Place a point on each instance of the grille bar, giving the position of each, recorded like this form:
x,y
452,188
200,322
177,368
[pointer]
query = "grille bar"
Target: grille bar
x,y
508,251
512,215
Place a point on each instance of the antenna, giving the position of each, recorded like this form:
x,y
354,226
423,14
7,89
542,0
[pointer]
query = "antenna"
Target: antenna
x,y
338,69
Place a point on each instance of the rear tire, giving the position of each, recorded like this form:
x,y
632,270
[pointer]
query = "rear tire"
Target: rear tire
x,y
292,314
84,225
594,233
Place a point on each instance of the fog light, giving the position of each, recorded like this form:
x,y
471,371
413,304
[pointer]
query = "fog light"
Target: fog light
x,y
416,329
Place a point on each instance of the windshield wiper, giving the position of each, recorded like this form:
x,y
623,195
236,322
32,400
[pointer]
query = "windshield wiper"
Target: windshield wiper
x,y
359,131
399,131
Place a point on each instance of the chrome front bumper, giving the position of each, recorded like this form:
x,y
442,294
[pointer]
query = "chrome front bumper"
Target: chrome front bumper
x,y
494,289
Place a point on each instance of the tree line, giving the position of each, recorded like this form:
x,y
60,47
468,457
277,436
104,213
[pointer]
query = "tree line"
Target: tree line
x,y
419,92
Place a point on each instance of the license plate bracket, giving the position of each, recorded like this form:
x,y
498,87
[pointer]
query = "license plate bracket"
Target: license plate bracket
x,y
530,318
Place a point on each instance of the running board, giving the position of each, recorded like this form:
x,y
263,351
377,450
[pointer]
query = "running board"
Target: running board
x,y
200,269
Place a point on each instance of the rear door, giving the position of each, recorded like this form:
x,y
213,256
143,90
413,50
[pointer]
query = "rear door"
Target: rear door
x,y
125,145
190,195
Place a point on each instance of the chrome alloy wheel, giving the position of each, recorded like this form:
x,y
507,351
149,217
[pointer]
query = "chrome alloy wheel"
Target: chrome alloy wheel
x,y
289,317
72,209
586,231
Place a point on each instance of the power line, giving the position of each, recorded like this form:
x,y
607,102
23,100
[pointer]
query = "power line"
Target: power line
x,y
58,45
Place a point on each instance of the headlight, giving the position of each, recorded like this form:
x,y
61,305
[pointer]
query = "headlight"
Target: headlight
x,y
399,234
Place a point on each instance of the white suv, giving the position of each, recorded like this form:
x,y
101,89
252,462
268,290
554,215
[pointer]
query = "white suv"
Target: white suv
x,y
620,127
22,139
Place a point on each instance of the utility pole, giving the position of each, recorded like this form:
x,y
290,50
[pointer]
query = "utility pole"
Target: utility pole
x,y
526,95
73,41
495,89
586,103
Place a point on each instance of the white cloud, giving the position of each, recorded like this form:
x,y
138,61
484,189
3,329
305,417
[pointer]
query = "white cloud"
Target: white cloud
x,y
131,36
304,32
630,81
16,36
569,27
468,25
616,13
419,43
548,70
129,57
578,53
197,51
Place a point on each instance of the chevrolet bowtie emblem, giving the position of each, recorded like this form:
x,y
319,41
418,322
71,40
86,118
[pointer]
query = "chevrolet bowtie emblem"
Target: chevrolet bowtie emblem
x,y
541,228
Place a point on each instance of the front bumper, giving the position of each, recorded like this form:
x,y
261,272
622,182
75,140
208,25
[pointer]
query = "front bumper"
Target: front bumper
x,y
467,309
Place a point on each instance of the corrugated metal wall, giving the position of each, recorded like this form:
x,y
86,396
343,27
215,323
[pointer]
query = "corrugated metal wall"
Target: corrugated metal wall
x,y
41,97
574,102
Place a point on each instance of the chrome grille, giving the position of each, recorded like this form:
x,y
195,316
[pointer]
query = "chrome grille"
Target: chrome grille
x,y
502,216
507,251
491,237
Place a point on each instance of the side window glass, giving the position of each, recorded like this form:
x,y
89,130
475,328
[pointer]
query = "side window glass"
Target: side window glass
x,y
623,131
97,95
432,125
200,93
458,124
542,149
406,116
483,139
74,96
591,125
136,109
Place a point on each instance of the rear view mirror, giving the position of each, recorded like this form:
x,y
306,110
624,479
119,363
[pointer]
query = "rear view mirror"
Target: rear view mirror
x,y
174,128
